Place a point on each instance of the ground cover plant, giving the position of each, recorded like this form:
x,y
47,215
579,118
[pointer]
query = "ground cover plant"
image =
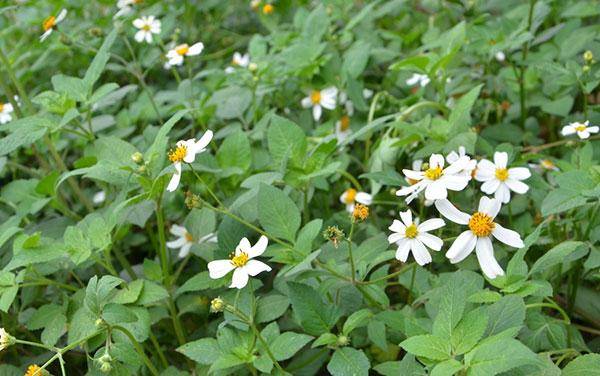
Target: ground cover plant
x,y
285,187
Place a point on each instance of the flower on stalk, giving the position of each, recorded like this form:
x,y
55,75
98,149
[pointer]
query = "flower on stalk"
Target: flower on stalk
x,y
319,99
268,9
342,128
5,339
35,370
334,235
147,26
583,130
410,236
186,152
238,60
420,79
175,55
360,212
185,240
241,262
479,235
351,196
543,165
125,7
50,24
500,56
498,179
470,165
6,110
436,180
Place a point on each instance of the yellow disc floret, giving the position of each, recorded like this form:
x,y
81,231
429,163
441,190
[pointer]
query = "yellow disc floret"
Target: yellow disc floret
x,y
268,9
433,173
481,224
177,154
350,195
34,370
239,260
411,231
580,127
501,174
315,97
182,49
49,23
344,122
360,212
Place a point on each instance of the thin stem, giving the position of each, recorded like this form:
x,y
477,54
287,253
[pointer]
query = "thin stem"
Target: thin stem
x,y
412,282
60,352
389,276
159,350
538,148
350,178
138,349
176,321
212,194
352,266
162,248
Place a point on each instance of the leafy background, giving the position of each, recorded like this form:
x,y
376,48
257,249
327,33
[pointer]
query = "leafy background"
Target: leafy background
x,y
90,97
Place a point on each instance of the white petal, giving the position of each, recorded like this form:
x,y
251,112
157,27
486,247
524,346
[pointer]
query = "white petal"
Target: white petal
x,y
258,248
317,112
500,159
519,173
255,267
594,129
364,198
243,246
414,175
306,102
431,224
406,217
583,134
185,250
139,23
420,253
568,130
431,241
436,160
462,248
177,243
46,34
508,237
178,230
350,208
490,186
403,250
203,142
489,206
61,16
456,182
174,182
397,226
329,93
487,261
219,268
208,238
239,279
395,237
503,193
436,190
451,212
195,49
517,186
139,36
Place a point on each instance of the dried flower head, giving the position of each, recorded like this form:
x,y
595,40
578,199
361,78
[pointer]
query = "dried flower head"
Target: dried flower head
x,y
334,235
360,212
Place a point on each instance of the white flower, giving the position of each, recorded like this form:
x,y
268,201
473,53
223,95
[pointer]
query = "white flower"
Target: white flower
x,y
497,178
186,152
125,7
412,237
436,180
50,23
185,240
416,78
243,263
5,339
238,60
347,103
147,26
319,99
342,128
175,55
99,197
469,166
254,4
5,112
582,130
500,56
479,235
367,93
543,165
352,196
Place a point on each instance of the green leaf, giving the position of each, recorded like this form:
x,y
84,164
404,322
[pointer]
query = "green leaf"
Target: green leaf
x,y
72,86
285,140
156,153
20,137
199,282
460,117
231,101
348,361
102,56
314,315
234,155
278,214
560,200
376,332
446,368
565,251
116,314
356,58
469,330
428,346
203,351
508,312
271,307
287,344
585,365
407,366
496,355
325,339
356,320
451,308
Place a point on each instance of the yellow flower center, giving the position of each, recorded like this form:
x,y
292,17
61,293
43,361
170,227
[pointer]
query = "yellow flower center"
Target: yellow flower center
x,y
580,127
433,173
49,23
547,164
501,174
33,370
188,237
361,212
344,122
481,224
1,107
178,154
239,260
350,195
315,97
411,231
182,49
268,9
146,27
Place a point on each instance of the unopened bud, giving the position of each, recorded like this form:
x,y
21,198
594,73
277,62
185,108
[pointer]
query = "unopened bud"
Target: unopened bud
x,y
343,340
137,157
586,68
105,367
252,67
588,56
217,305
192,201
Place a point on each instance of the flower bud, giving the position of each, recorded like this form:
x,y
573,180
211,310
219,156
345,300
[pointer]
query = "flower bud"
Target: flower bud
x,y
252,67
105,367
217,305
137,157
588,56
192,201
343,340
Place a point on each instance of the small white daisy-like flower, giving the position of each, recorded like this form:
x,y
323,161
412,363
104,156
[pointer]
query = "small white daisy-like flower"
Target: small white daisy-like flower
x,y
347,103
185,240
175,55
147,26
319,99
241,262
125,7
410,236
99,197
254,4
351,196
470,166
500,56
6,110
498,179
420,79
583,130
186,151
436,180
417,165
479,235
342,128
543,165
50,23
5,339
367,93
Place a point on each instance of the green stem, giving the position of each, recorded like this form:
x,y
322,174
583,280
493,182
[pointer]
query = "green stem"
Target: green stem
x,y
412,282
523,69
389,276
162,245
159,350
60,352
350,256
138,349
176,321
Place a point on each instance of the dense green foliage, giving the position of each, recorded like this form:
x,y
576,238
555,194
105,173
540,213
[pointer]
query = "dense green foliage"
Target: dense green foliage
x,y
143,175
